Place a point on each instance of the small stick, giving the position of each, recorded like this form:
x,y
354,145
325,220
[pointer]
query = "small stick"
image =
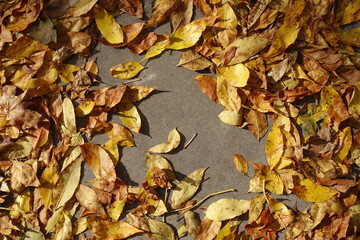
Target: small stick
x,y
188,143
131,81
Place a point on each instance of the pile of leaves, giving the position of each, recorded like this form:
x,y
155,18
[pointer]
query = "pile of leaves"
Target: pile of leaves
x,y
289,60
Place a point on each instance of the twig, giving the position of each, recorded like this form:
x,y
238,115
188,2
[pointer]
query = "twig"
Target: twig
x,y
188,143
131,81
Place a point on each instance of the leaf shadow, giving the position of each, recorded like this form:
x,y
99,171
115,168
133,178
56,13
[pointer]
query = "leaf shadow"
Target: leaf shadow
x,y
122,172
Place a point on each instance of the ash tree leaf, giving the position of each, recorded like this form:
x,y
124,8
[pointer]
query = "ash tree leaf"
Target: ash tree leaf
x,y
161,11
289,30
69,181
256,207
231,117
187,35
208,86
312,192
242,49
172,143
208,229
240,163
126,70
227,208
186,188
88,199
84,108
80,7
108,26
274,146
192,223
158,47
99,161
24,173
105,229
257,123
130,116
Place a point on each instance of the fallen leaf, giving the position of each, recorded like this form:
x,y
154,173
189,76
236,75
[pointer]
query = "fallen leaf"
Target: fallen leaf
x,y
68,182
227,208
186,188
105,229
208,86
231,118
192,223
309,191
99,161
88,199
240,163
187,36
108,26
130,116
274,146
208,229
80,7
173,142
161,11
126,70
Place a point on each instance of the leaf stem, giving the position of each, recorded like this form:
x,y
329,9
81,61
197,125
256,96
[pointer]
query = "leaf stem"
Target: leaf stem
x,y
188,143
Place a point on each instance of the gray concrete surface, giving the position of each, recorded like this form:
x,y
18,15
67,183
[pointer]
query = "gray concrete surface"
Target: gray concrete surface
x,y
180,103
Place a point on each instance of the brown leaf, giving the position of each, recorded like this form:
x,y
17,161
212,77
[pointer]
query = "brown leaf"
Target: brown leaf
x,y
161,11
142,42
24,173
208,86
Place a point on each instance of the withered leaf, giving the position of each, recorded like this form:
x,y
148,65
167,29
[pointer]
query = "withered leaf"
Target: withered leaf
x,y
126,70
173,142
105,229
227,208
187,188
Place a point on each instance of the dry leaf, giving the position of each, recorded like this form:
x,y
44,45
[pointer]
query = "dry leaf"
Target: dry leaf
x,y
173,142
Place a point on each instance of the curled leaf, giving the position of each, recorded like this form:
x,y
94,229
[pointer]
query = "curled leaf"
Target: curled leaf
x,y
172,143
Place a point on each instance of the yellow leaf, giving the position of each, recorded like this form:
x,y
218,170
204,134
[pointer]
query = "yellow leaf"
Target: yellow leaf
x,y
187,35
80,7
126,70
228,95
112,149
227,208
351,13
120,134
282,212
69,121
351,37
274,146
108,26
172,143
159,207
187,188
231,118
99,161
159,46
69,181
88,199
237,75
160,230
104,229
309,191
256,207
243,49
135,93
115,209
273,182
240,163
345,143
67,73
84,108
130,116
161,11
289,30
